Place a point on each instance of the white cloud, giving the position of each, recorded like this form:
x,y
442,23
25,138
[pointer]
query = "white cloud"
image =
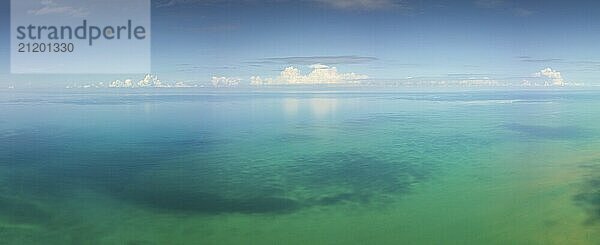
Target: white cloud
x,y
49,7
149,81
320,74
225,82
467,82
554,76
318,66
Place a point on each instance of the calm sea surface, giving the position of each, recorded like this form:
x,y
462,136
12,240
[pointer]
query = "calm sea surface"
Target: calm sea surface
x,y
177,167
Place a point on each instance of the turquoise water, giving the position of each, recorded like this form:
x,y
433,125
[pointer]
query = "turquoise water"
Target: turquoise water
x,y
198,167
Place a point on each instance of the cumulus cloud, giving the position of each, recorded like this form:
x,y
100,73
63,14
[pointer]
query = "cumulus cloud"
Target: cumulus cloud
x,y
320,74
225,82
50,7
555,77
149,81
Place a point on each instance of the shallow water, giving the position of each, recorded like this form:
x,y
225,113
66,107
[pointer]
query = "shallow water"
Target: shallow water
x,y
180,167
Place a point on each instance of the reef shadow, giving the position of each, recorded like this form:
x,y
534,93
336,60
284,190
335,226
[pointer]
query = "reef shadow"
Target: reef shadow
x,y
589,197
548,132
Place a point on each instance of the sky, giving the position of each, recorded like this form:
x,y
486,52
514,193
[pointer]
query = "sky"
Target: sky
x,y
223,42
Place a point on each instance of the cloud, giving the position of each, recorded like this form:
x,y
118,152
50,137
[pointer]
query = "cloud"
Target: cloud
x,y
522,12
535,60
361,4
465,82
544,78
366,5
223,27
192,68
225,82
169,3
320,74
490,3
49,7
149,81
503,4
554,75
308,60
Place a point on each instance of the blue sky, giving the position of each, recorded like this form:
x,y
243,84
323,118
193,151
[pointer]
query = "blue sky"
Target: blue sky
x,y
384,40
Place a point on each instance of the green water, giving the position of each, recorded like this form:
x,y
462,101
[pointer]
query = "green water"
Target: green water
x,y
180,167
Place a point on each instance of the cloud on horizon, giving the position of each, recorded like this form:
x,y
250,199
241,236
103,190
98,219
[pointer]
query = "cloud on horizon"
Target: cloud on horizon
x,y
225,82
149,81
555,77
320,74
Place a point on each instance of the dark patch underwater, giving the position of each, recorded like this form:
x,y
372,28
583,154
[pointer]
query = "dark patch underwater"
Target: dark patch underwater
x,y
548,132
589,197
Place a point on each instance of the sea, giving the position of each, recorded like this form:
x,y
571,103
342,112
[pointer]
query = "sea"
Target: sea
x,y
194,166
